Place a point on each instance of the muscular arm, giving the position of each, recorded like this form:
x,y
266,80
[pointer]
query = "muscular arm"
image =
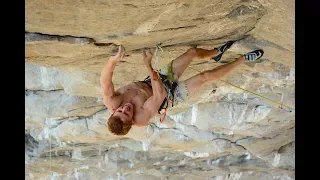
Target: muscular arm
x,y
153,103
106,79
157,87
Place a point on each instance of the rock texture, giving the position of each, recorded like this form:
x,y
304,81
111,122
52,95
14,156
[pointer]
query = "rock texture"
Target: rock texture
x,y
221,133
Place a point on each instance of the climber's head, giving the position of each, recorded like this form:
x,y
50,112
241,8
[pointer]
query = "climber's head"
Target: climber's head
x,y
120,121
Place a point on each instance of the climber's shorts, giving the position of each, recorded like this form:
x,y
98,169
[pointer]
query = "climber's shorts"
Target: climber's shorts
x,y
180,93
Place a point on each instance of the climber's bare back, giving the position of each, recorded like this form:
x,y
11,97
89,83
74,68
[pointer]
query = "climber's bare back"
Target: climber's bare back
x,y
135,93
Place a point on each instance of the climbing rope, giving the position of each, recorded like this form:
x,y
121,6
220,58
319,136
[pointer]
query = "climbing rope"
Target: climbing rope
x,y
281,105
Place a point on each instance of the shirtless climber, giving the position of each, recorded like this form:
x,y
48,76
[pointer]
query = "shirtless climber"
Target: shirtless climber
x,y
137,102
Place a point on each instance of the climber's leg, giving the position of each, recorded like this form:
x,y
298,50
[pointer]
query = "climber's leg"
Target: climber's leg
x,y
195,82
180,64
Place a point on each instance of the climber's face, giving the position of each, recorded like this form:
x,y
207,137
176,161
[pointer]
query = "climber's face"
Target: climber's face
x,y
125,112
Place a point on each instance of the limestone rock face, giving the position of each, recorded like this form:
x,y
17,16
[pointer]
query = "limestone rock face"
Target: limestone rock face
x,y
239,127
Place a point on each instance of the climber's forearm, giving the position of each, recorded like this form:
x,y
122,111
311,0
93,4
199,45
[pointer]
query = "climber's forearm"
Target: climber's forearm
x,y
106,78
